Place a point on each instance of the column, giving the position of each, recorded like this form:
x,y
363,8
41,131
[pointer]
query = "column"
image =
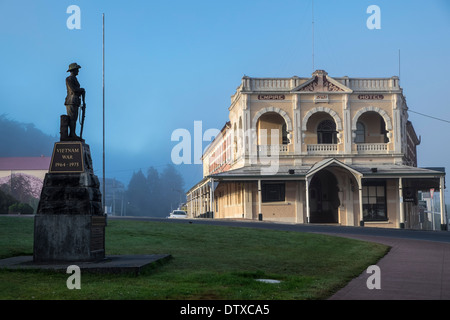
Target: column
x,y
299,202
349,204
246,129
441,196
400,199
297,129
259,200
196,203
361,214
360,199
248,201
396,112
348,138
211,194
207,201
202,202
191,203
307,201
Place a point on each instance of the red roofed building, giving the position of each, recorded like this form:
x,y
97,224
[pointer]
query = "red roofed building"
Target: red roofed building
x,y
25,164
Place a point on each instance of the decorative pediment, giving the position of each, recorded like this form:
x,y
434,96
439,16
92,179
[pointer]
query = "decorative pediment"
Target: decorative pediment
x,y
321,82
330,162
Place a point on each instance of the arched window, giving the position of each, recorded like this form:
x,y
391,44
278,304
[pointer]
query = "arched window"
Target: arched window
x,y
326,132
360,133
269,122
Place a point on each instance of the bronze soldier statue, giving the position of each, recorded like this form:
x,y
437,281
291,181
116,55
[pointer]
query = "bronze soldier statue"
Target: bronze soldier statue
x,y
73,100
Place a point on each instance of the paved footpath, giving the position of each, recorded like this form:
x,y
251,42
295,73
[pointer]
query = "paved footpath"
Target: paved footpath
x,y
412,270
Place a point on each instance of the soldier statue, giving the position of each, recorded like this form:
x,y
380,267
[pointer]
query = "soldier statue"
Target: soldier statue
x,y
73,100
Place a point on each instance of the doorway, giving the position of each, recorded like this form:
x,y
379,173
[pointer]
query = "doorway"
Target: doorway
x,y
324,198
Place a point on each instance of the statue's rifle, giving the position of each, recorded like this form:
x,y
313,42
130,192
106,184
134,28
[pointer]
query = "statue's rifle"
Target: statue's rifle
x,y
83,113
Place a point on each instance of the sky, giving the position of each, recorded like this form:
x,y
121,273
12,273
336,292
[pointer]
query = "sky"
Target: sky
x,y
171,63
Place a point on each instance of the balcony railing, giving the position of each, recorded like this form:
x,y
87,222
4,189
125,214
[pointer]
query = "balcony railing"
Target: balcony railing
x,y
371,147
321,148
272,149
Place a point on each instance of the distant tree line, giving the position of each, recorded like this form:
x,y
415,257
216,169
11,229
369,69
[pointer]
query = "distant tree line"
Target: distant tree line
x,y
23,139
149,193
155,194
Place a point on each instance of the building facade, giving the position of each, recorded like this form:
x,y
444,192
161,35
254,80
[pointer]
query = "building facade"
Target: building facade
x,y
316,150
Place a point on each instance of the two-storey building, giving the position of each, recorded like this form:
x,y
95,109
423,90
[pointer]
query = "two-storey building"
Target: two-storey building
x,y
316,150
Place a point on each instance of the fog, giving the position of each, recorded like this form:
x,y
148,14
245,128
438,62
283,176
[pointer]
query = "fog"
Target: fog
x,y
149,191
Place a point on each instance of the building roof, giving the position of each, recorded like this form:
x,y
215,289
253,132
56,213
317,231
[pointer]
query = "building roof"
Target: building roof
x,y
256,172
301,172
25,163
397,171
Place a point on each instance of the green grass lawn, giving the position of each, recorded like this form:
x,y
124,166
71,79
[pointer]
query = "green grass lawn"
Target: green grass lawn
x,y
208,262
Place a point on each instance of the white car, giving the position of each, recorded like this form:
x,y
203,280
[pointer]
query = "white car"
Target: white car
x,y
178,214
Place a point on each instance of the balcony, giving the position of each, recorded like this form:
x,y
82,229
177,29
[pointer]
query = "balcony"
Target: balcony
x,y
322,148
369,148
268,150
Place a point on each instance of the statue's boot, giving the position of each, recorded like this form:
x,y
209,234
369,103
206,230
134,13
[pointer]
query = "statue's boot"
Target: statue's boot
x,y
73,135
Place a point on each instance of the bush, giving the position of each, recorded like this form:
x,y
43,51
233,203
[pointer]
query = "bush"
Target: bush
x,y
6,201
21,208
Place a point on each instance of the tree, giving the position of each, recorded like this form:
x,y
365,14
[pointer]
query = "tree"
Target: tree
x,y
28,140
6,201
24,188
137,195
155,195
154,185
172,186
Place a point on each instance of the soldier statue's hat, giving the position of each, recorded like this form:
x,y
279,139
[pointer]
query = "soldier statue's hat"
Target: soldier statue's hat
x,y
73,66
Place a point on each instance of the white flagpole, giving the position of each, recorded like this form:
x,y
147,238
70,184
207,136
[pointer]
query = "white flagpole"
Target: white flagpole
x,y
103,85
312,18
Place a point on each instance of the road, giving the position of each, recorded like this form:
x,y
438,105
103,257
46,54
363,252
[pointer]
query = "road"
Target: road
x,y
440,236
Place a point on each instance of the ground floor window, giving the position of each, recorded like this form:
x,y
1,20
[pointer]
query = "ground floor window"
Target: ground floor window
x,y
374,201
272,191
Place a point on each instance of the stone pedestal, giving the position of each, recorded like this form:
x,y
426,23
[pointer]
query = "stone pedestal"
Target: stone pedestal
x,y
68,237
70,222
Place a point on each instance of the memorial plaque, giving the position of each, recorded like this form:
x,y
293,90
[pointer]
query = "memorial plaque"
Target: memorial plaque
x,y
98,224
67,158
